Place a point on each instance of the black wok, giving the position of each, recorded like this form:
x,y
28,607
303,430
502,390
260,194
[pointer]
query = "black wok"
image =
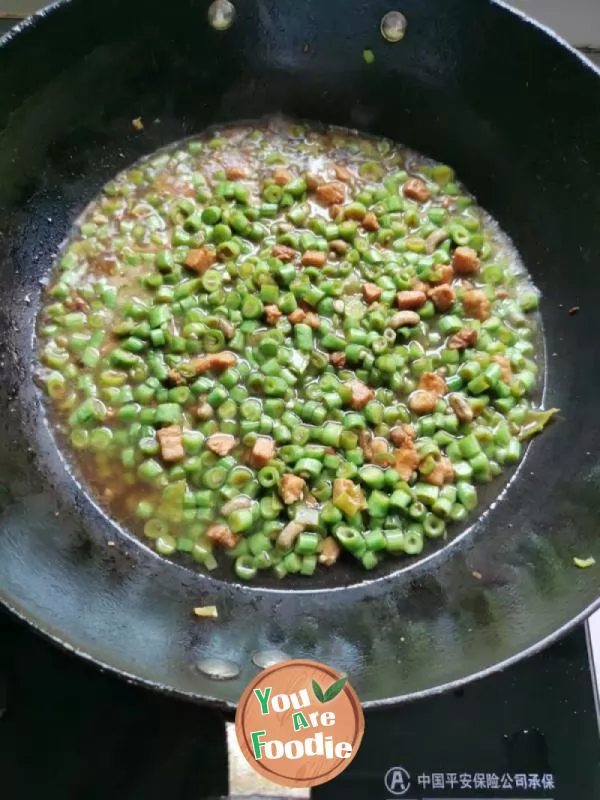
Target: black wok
x,y
517,113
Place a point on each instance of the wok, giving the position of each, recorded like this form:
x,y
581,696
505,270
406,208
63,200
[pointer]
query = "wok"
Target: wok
x,y
517,113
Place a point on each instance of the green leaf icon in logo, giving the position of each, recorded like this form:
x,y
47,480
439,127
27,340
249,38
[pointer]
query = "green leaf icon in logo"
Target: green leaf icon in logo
x,y
335,689
331,693
318,692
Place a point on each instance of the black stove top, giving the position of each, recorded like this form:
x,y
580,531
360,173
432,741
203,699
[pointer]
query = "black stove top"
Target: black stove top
x,y
68,731
528,732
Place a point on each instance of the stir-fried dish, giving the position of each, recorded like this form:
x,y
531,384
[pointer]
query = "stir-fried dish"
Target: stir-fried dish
x,y
283,345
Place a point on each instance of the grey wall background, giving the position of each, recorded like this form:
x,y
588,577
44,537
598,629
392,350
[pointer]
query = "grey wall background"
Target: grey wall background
x,y
576,20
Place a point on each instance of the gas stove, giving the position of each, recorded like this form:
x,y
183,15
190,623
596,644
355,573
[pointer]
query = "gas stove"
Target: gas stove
x,y
68,731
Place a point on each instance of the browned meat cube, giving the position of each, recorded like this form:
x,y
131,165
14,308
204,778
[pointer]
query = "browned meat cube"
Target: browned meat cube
x,y
476,304
221,443
272,314
416,189
442,296
361,394
314,258
466,337
371,292
465,261
291,488
221,534
171,445
199,260
329,194
262,452
283,252
370,222
410,299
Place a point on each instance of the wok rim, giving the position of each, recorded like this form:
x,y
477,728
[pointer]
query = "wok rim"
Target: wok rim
x,y
32,21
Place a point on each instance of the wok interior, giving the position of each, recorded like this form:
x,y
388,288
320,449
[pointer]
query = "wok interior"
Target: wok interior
x,y
522,134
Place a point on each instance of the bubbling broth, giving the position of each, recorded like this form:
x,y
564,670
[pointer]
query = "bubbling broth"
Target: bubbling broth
x,y
281,345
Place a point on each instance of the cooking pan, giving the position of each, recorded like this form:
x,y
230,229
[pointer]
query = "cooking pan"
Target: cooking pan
x,y
472,84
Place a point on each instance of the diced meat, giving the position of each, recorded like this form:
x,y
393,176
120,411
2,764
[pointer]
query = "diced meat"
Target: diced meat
x,y
335,211
406,460
465,261
361,394
235,173
461,407
505,367
77,303
432,382
105,265
201,259
281,176
312,181
338,359
272,314
410,299
442,273
312,320
466,337
329,551
262,452
442,473
435,239
313,258
291,488
402,435
329,194
218,361
339,246
175,378
422,401
371,292
380,452
370,222
404,319
222,535
442,296
342,173
416,189
283,253
221,443
476,304
171,444
297,316
222,360
502,294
